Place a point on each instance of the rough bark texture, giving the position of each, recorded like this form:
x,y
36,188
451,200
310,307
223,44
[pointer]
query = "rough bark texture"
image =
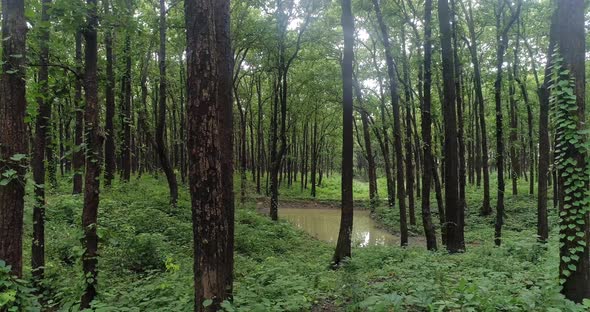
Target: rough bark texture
x,y
13,135
429,231
343,246
210,142
38,164
570,38
93,141
397,132
454,209
161,127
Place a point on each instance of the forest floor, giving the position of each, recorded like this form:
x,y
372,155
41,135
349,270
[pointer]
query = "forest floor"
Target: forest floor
x,y
145,259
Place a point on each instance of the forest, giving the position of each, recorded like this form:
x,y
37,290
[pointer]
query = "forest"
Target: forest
x,y
294,155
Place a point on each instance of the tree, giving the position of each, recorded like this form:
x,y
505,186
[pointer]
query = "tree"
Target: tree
x,y
343,246
502,29
109,147
13,137
93,140
428,165
38,162
161,125
210,145
454,213
397,132
78,154
568,93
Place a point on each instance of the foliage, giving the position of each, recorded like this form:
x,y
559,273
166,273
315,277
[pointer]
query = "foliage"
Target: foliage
x,y
15,294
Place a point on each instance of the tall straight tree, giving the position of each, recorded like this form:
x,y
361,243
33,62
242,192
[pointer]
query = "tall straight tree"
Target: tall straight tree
x,y
397,131
161,126
502,29
343,246
93,158
210,146
38,161
486,208
110,161
568,93
429,231
13,133
78,154
454,210
126,103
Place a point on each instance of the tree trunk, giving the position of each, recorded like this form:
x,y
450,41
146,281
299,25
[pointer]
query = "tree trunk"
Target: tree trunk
x,y
109,146
454,213
574,253
78,159
126,108
38,164
397,135
210,142
343,246
93,156
429,230
161,127
13,133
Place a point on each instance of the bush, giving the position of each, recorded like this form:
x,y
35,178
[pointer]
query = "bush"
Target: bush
x,y
15,295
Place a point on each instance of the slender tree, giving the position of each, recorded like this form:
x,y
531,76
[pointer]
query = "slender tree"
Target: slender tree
x,y
13,134
397,132
78,154
429,231
161,126
210,145
110,161
343,246
93,140
38,161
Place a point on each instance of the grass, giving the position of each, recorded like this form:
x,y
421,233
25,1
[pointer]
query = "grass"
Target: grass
x,y
146,260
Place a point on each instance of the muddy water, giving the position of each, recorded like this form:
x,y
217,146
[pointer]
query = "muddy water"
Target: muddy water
x,y
324,223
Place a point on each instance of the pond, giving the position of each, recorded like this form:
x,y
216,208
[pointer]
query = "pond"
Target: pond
x,y
324,224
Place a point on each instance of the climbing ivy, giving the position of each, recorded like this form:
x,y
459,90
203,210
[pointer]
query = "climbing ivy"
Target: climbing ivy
x,y
570,143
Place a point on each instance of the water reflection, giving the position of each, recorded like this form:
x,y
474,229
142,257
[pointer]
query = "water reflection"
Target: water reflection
x,y
324,224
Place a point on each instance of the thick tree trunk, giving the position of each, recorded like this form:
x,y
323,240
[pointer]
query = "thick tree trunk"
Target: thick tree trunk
x,y
94,156
13,133
161,127
397,135
454,209
343,246
574,265
38,164
210,142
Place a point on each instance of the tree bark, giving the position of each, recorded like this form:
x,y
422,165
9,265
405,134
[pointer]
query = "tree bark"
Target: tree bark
x,y
343,246
13,133
93,156
454,213
110,160
210,142
78,159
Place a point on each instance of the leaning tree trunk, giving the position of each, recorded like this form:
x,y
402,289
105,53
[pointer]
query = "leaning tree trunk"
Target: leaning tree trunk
x,y
93,156
161,126
343,246
210,142
397,132
13,133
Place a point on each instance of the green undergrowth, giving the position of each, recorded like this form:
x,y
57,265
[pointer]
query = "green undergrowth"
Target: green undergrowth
x,y
145,263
